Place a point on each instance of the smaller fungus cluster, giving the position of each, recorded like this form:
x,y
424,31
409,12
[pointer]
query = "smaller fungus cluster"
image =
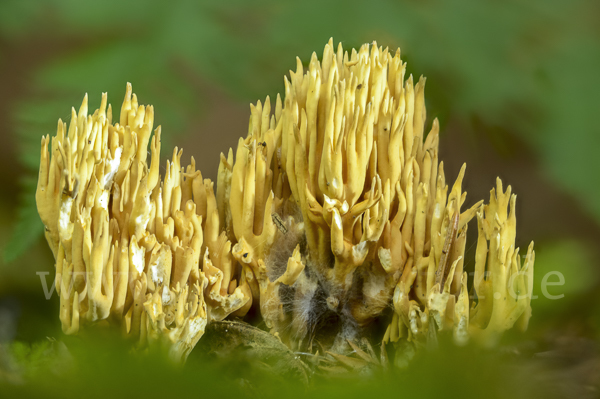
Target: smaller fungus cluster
x,y
131,248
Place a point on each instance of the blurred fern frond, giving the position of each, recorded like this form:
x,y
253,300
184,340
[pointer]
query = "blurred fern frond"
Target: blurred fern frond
x,y
28,227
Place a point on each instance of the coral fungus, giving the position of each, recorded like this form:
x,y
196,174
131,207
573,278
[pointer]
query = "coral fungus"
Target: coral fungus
x,y
130,248
333,218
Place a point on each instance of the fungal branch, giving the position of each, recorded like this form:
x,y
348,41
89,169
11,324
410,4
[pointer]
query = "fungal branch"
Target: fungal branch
x,y
334,210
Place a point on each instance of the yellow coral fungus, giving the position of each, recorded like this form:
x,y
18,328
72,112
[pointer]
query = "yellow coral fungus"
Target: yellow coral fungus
x,y
334,216
128,245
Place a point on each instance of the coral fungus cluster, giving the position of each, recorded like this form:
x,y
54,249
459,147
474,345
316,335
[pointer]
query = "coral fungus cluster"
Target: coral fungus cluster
x,y
333,222
132,248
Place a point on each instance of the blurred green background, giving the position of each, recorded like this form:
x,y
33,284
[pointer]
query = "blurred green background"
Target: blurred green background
x,y
515,84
